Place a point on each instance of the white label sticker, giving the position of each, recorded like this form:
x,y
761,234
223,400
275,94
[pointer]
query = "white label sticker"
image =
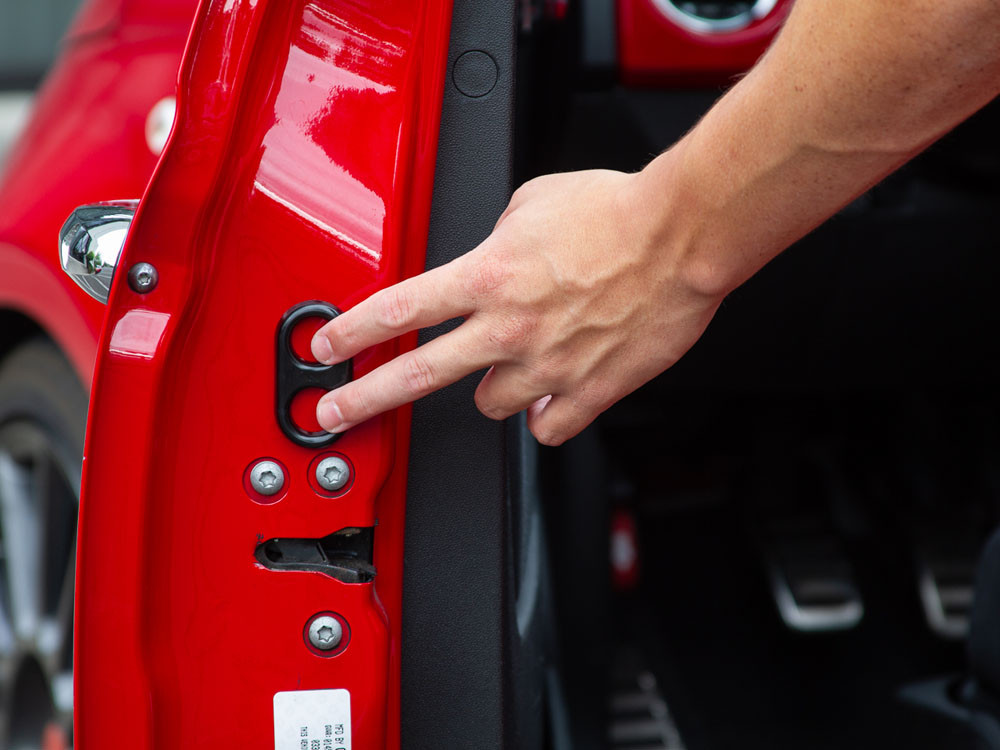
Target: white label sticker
x,y
312,720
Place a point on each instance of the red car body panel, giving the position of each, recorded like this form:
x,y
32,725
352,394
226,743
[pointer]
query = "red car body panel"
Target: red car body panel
x,y
300,167
85,143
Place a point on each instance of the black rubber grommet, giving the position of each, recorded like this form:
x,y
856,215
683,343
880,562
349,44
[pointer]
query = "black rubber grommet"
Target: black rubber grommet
x,y
475,73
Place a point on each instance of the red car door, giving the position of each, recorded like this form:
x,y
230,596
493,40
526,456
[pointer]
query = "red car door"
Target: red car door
x,y
241,574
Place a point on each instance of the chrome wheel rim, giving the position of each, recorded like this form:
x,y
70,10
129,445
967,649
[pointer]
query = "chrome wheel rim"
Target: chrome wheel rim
x,y
39,499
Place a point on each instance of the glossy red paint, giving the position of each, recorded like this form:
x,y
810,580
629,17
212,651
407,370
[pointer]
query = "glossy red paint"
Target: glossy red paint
x,y
135,19
300,168
654,50
85,143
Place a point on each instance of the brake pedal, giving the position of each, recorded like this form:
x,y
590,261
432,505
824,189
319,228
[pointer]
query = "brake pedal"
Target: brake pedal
x,y
816,603
640,719
812,583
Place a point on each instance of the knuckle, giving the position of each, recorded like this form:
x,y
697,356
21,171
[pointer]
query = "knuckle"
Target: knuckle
x,y
418,375
487,409
524,190
597,395
363,405
395,308
489,273
549,436
520,194
511,332
352,403
339,334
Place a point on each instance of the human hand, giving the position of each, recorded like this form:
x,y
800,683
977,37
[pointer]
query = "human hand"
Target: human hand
x,y
576,299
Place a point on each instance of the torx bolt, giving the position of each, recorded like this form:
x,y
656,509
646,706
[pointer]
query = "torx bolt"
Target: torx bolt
x,y
333,473
325,633
267,477
142,278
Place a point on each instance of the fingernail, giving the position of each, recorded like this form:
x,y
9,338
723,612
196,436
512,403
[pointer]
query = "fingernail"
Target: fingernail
x,y
329,416
321,348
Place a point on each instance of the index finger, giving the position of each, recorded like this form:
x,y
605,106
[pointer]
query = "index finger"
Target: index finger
x,y
412,375
425,300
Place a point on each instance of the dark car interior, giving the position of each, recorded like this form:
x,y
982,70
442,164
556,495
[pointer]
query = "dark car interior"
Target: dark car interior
x,y
811,488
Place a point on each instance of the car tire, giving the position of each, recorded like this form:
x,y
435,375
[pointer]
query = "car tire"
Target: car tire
x,y
43,417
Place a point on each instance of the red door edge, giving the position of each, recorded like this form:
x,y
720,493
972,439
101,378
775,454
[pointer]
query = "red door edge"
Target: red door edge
x,y
300,168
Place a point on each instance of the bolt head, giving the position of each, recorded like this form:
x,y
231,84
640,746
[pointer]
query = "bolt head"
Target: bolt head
x,y
325,633
267,477
142,278
333,473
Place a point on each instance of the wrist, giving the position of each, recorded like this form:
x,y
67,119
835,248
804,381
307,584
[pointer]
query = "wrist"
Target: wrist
x,y
677,223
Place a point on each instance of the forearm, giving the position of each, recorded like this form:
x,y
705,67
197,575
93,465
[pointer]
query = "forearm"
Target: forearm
x,y
851,90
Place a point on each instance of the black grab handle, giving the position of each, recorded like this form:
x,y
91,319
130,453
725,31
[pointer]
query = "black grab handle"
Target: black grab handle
x,y
295,374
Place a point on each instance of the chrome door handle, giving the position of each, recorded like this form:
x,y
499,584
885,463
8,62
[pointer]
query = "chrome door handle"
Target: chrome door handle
x,y
91,241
